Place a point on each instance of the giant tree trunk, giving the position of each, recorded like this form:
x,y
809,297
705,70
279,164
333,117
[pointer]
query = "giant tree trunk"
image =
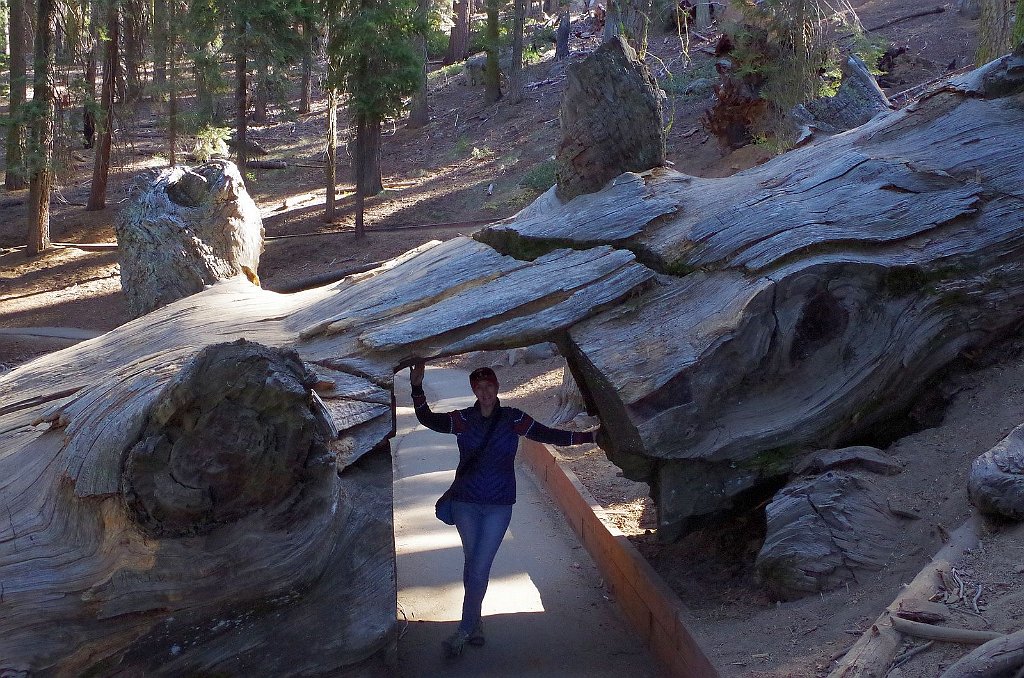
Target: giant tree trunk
x,y
134,17
458,40
492,72
241,93
161,37
42,128
14,170
306,95
366,163
716,326
419,115
515,71
101,161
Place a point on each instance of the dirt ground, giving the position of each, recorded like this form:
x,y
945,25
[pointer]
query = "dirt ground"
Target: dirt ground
x,y
475,163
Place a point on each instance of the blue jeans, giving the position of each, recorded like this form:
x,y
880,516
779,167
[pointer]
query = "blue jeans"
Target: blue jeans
x,y
481,528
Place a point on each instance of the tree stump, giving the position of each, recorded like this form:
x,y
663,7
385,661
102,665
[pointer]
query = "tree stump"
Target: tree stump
x,y
858,100
184,230
611,120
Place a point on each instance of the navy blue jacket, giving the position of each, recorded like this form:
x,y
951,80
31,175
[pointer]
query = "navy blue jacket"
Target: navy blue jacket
x,y
488,476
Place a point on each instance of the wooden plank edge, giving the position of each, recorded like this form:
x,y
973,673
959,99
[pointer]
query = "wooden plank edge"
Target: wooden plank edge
x,y
653,609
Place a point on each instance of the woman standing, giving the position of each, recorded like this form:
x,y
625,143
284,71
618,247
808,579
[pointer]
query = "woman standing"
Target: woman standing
x,y
485,481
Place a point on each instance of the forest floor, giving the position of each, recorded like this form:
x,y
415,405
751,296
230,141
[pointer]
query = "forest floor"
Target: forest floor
x,y
476,163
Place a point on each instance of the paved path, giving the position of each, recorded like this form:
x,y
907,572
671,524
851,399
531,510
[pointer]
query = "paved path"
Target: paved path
x,y
546,613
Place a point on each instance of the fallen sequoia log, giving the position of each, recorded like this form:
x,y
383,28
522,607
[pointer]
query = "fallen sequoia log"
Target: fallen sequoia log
x,y
800,304
719,328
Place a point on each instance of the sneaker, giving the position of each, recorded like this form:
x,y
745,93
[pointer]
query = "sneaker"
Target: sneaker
x,y
454,644
477,637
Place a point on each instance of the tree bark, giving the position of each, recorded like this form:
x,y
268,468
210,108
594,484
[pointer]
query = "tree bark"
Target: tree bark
x,y
458,40
331,161
492,72
419,115
187,229
515,71
172,68
703,19
15,176
41,141
562,37
366,163
134,16
241,93
306,97
101,160
161,37
259,115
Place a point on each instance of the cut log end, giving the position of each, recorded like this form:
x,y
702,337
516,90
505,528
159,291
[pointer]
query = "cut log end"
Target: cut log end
x,y
233,433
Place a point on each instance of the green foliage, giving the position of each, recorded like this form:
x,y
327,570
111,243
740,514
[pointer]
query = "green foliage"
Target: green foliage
x,y
438,32
1017,37
371,53
211,142
540,177
786,51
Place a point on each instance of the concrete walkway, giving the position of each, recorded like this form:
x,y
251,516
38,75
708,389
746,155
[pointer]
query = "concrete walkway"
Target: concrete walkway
x,y
546,613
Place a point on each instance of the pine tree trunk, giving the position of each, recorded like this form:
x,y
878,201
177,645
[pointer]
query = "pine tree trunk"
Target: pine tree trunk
x,y
458,41
101,163
562,37
515,74
241,95
89,108
418,113
306,98
612,20
134,17
15,178
41,142
160,48
259,115
994,30
331,163
492,73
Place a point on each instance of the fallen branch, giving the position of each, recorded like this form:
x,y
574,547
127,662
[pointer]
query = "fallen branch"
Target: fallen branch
x,y
877,647
910,654
901,19
266,164
946,634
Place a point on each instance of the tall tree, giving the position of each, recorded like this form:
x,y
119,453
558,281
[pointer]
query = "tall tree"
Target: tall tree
x,y
492,72
372,59
515,72
331,164
15,177
458,39
241,87
161,34
135,23
101,160
40,151
306,96
419,115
